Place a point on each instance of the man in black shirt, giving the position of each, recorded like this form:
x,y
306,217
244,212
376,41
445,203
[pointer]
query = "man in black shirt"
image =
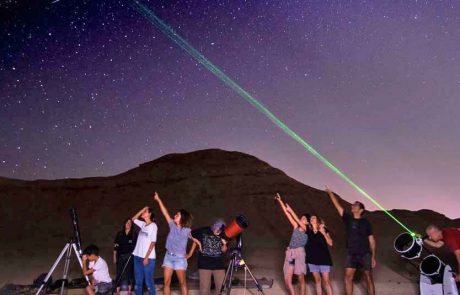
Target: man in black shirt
x,y
211,260
360,244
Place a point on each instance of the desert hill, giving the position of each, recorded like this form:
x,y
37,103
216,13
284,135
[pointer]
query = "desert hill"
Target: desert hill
x,y
35,223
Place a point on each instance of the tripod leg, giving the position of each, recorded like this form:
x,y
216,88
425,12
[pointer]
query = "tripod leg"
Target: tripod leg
x,y
222,288
230,279
259,287
50,272
117,281
79,261
66,268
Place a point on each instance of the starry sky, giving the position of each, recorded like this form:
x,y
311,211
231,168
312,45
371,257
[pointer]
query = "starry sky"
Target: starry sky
x,y
91,88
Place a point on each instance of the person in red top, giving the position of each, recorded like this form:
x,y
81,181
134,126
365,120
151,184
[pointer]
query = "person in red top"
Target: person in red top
x,y
450,236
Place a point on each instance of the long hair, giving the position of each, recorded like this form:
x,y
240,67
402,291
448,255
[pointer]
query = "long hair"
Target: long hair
x,y
307,216
186,218
318,219
131,230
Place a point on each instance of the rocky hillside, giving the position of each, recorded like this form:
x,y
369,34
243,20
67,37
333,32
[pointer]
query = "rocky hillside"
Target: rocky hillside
x,y
34,216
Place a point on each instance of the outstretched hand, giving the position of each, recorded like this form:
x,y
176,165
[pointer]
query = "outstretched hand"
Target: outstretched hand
x,y
277,197
156,197
327,189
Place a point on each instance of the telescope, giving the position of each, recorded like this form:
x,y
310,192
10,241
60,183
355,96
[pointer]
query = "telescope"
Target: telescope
x,y
235,228
76,230
436,277
408,246
73,245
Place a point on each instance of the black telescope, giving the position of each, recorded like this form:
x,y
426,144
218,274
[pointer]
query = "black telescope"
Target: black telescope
x,y
408,246
76,229
432,267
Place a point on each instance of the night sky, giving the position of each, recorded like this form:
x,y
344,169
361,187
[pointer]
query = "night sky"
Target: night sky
x,y
91,88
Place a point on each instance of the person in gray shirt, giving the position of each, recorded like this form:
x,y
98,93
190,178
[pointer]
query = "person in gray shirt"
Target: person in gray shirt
x,y
294,262
176,246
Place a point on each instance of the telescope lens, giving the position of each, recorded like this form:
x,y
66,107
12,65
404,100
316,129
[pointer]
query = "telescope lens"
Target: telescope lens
x,y
430,265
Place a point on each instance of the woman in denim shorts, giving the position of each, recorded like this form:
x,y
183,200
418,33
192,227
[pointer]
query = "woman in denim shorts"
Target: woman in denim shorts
x,y
318,257
294,261
176,246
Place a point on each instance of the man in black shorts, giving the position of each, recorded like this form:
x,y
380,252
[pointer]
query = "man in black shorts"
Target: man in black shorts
x,y
360,244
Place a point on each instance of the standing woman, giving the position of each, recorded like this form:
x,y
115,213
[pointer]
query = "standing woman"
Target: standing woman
x,y
125,240
211,259
318,257
176,246
144,252
294,262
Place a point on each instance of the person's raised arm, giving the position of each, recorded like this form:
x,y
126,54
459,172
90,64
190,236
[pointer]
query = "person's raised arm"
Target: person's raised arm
x,y
296,218
335,201
327,236
372,246
163,209
138,214
288,215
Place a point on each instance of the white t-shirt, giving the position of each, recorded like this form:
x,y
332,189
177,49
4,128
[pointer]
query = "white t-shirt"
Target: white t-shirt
x,y
147,235
101,271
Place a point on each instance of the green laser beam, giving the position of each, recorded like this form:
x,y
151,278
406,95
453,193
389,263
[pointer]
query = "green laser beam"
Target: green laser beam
x,y
168,31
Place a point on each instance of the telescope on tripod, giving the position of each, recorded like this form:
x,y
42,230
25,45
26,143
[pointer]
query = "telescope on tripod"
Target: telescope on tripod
x,y
436,277
234,231
73,244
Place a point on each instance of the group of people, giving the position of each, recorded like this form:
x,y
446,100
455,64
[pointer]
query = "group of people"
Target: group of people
x,y
135,256
310,242
311,239
308,249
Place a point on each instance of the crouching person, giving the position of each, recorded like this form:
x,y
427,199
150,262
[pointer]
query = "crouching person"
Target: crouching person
x,y
97,268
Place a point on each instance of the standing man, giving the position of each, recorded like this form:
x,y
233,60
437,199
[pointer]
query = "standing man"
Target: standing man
x,y
450,236
360,244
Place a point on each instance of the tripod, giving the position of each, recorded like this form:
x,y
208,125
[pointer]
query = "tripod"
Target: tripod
x,y
235,262
117,281
67,251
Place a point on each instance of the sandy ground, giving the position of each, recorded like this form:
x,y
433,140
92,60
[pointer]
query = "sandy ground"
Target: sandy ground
x,y
261,263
